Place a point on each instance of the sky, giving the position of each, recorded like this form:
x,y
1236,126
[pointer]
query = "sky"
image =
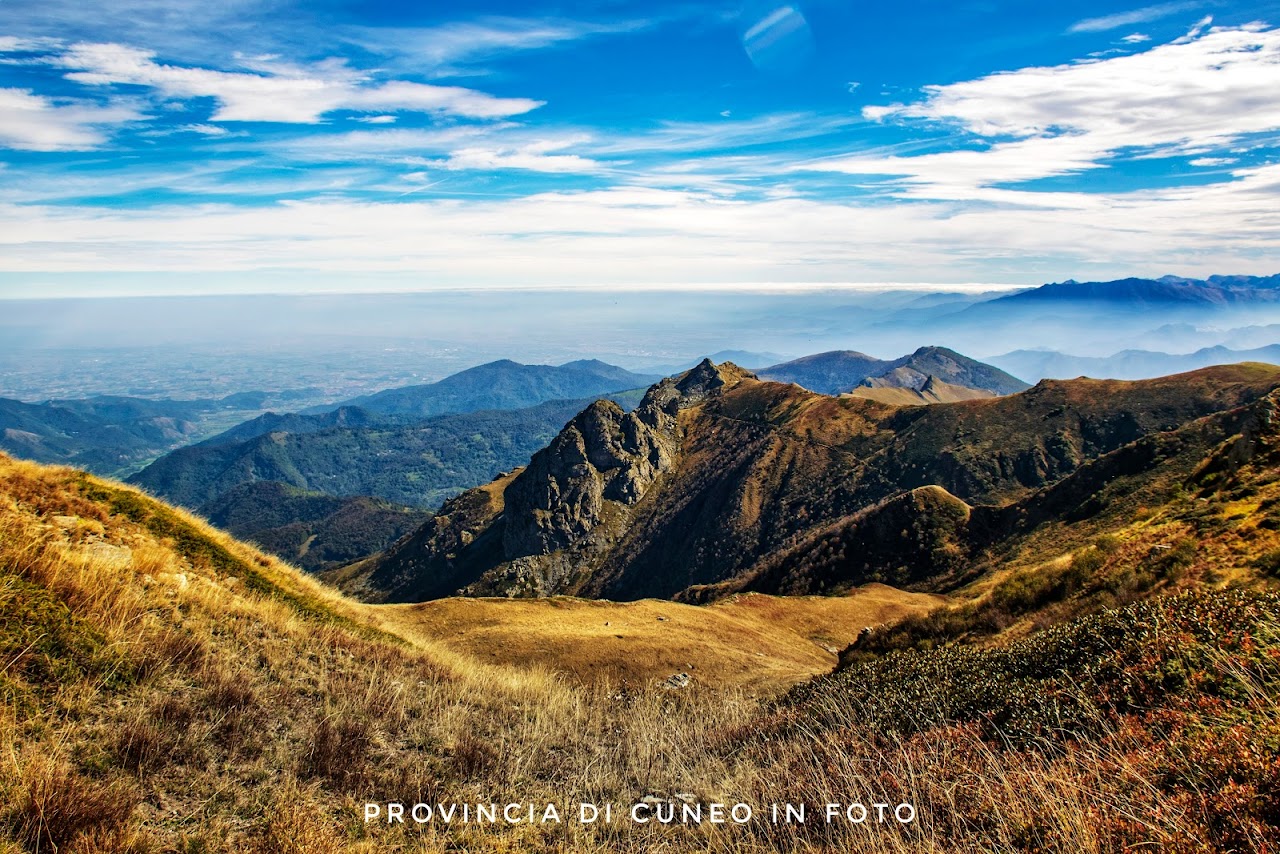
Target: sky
x,y
243,146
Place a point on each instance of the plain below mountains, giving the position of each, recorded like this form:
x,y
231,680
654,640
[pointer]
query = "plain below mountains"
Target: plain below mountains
x,y
719,482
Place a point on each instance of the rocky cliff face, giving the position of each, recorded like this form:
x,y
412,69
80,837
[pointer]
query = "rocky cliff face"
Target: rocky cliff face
x,y
603,455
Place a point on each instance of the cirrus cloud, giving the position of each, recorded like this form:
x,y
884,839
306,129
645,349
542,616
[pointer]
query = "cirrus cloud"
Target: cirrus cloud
x,y
1192,96
279,92
34,122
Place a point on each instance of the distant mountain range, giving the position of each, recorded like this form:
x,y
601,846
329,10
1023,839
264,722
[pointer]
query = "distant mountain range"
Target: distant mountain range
x,y
501,385
719,483
842,371
1134,292
1090,317
1127,364
111,435
282,480
418,464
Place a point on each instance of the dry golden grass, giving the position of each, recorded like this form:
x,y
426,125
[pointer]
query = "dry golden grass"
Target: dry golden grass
x,y
939,392
748,640
164,688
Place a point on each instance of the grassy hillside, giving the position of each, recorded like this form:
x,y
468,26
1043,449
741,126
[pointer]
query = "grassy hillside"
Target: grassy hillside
x,y
752,640
166,688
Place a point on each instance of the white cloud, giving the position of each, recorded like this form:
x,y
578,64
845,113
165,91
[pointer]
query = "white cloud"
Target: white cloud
x,y
960,174
35,123
645,235
772,128
1136,16
1136,38
536,156
1195,31
205,130
280,92
377,120
466,41
14,44
1190,96
1212,161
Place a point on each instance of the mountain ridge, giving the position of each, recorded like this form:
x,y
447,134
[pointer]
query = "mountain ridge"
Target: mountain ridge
x,y
502,384
1166,289
841,371
1129,364
717,469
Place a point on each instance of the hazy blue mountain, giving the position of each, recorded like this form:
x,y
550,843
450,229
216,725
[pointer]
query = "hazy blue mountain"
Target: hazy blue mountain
x,y
827,373
1133,292
842,370
502,385
1127,364
418,464
113,435
103,443
295,422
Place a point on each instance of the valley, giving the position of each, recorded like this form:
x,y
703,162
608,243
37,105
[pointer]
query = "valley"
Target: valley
x,y
756,642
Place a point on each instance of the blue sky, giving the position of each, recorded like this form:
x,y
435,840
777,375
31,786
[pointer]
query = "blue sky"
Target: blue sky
x,y
167,146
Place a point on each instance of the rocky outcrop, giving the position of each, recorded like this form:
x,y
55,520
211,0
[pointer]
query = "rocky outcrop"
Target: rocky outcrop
x,y
602,455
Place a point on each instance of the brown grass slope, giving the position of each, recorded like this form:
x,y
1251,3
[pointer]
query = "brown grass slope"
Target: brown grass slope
x,y
932,391
165,688
753,641
723,477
